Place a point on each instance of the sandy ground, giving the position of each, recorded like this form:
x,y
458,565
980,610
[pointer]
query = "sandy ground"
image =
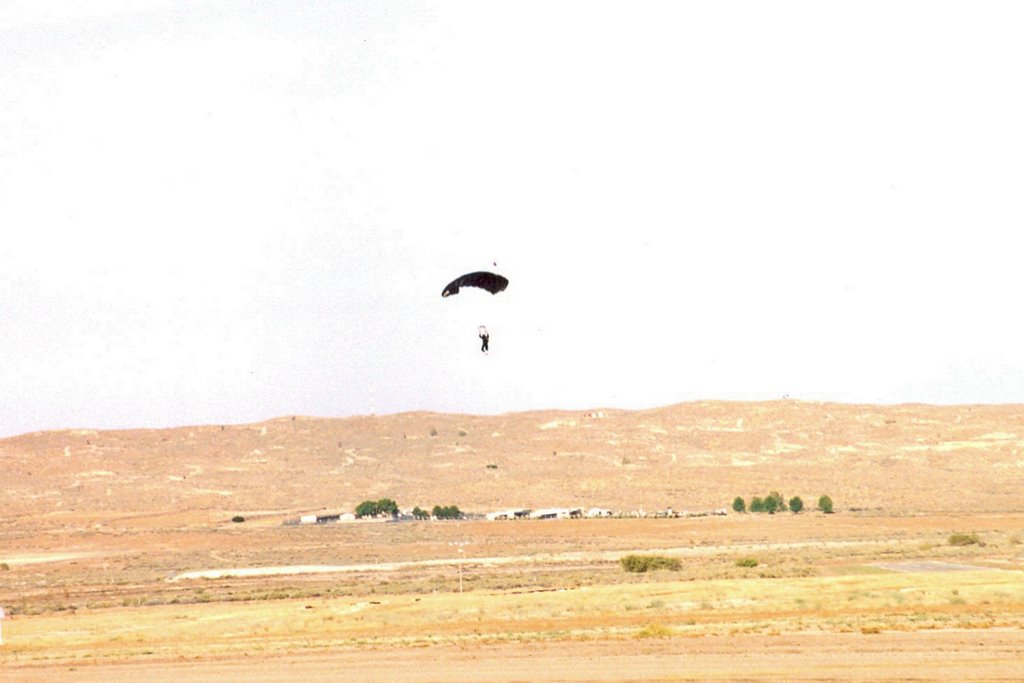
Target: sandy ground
x,y
937,655
119,559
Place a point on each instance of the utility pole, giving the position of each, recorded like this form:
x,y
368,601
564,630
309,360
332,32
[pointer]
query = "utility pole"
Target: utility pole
x,y
460,545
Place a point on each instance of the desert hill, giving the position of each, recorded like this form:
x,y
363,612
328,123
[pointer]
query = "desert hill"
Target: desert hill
x,y
905,458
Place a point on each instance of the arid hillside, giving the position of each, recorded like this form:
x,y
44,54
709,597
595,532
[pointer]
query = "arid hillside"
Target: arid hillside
x,y
694,456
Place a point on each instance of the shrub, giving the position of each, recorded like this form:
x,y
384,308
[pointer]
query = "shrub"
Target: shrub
x,y
964,539
780,502
646,563
237,519
756,504
796,504
746,562
420,513
4,567
825,505
738,505
655,631
771,504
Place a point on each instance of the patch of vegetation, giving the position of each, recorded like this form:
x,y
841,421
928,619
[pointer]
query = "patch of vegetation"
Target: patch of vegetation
x,y
655,631
746,562
776,502
492,466
964,539
738,505
646,563
420,513
4,567
374,508
772,503
238,519
825,504
447,512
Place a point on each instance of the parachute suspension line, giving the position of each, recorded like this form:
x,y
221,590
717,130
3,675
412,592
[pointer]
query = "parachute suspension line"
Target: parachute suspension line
x,y
490,282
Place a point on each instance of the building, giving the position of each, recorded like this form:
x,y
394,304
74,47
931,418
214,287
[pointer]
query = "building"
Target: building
x,y
512,513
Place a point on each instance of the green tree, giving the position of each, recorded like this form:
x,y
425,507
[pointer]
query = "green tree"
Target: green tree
x,y
825,504
738,505
386,506
756,504
780,502
796,504
368,508
771,504
420,513
447,512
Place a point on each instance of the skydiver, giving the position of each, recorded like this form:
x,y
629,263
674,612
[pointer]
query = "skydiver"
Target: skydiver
x,y
484,338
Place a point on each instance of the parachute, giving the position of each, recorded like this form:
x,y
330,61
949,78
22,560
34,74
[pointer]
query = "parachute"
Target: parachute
x,y
492,282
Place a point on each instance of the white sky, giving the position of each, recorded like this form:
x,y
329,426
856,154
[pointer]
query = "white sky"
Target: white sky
x,y
219,212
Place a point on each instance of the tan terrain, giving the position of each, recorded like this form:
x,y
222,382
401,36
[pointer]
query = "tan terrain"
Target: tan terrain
x,y
119,559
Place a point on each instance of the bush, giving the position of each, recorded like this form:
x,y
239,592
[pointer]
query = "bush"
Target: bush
x,y
756,504
420,513
825,505
796,504
746,562
237,519
738,505
780,502
646,563
964,539
4,567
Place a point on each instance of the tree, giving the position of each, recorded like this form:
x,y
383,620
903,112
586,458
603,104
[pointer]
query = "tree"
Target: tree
x,y
738,505
368,508
756,504
796,504
780,502
420,513
771,504
825,505
386,506
447,512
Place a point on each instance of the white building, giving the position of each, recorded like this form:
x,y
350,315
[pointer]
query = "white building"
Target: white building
x,y
511,513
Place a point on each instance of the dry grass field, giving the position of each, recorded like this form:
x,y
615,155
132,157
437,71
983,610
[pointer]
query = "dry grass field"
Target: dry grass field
x,y
119,559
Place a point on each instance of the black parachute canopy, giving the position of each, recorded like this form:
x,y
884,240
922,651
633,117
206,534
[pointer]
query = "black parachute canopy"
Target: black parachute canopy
x,y
492,282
